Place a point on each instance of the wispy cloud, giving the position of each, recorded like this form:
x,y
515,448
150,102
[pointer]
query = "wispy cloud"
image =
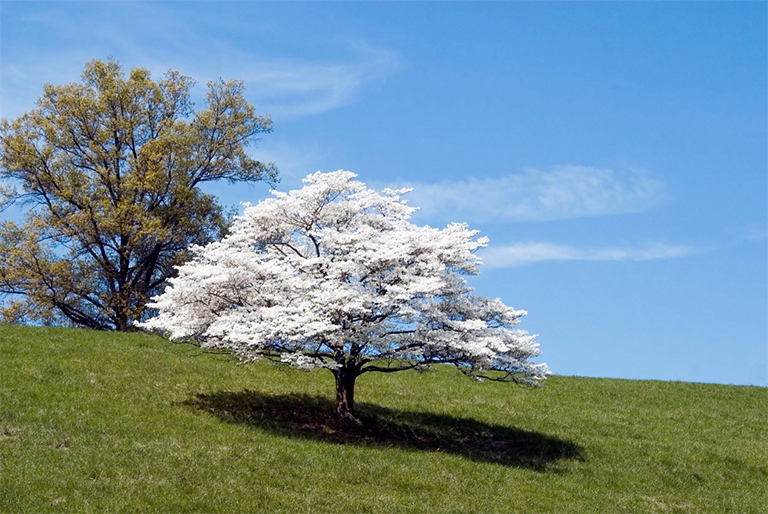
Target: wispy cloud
x,y
753,233
560,193
282,86
521,254
298,88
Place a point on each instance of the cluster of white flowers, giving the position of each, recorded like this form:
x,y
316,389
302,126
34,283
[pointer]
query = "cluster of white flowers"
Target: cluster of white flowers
x,y
334,274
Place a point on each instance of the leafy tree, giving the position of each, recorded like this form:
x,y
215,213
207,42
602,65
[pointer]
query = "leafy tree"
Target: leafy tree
x,y
110,168
335,276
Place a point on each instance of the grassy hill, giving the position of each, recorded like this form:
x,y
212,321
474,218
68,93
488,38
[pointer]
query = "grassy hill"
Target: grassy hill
x,y
93,421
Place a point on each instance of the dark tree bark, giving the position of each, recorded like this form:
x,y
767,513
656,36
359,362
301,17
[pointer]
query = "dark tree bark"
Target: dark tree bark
x,y
345,394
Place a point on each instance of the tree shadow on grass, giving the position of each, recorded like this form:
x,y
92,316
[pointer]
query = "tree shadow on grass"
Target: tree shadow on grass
x,y
313,417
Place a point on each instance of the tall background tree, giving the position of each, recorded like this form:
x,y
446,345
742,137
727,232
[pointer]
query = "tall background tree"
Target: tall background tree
x,y
110,170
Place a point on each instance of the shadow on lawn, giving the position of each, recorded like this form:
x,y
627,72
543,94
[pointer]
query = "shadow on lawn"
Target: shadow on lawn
x,y
312,417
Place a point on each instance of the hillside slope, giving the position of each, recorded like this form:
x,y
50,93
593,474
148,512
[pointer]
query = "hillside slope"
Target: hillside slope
x,y
94,422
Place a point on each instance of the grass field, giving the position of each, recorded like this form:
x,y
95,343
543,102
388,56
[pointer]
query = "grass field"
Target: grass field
x,y
95,422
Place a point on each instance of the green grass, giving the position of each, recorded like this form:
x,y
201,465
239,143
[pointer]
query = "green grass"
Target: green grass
x,y
94,422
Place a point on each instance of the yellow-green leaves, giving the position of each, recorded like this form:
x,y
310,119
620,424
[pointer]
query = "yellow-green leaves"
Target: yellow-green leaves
x,y
110,169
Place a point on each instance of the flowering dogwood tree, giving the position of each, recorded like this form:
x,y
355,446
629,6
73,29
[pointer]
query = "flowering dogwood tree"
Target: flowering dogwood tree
x,y
335,276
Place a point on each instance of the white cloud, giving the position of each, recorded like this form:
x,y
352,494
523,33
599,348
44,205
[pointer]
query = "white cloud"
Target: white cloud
x,y
299,88
163,37
754,233
521,254
561,193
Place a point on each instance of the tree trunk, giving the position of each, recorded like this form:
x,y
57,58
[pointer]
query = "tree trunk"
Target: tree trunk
x,y
122,323
345,394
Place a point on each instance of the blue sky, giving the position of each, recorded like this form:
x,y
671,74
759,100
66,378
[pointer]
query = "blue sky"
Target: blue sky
x,y
615,153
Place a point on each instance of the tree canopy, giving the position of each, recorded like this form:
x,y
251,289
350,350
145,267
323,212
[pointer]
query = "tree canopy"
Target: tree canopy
x,y
110,169
335,276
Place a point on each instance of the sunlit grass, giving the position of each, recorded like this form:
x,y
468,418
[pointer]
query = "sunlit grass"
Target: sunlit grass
x,y
94,422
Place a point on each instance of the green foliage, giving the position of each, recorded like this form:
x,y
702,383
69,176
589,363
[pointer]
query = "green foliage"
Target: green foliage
x,y
95,422
110,168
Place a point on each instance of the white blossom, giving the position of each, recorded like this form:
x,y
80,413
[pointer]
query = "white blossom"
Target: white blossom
x,y
334,275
